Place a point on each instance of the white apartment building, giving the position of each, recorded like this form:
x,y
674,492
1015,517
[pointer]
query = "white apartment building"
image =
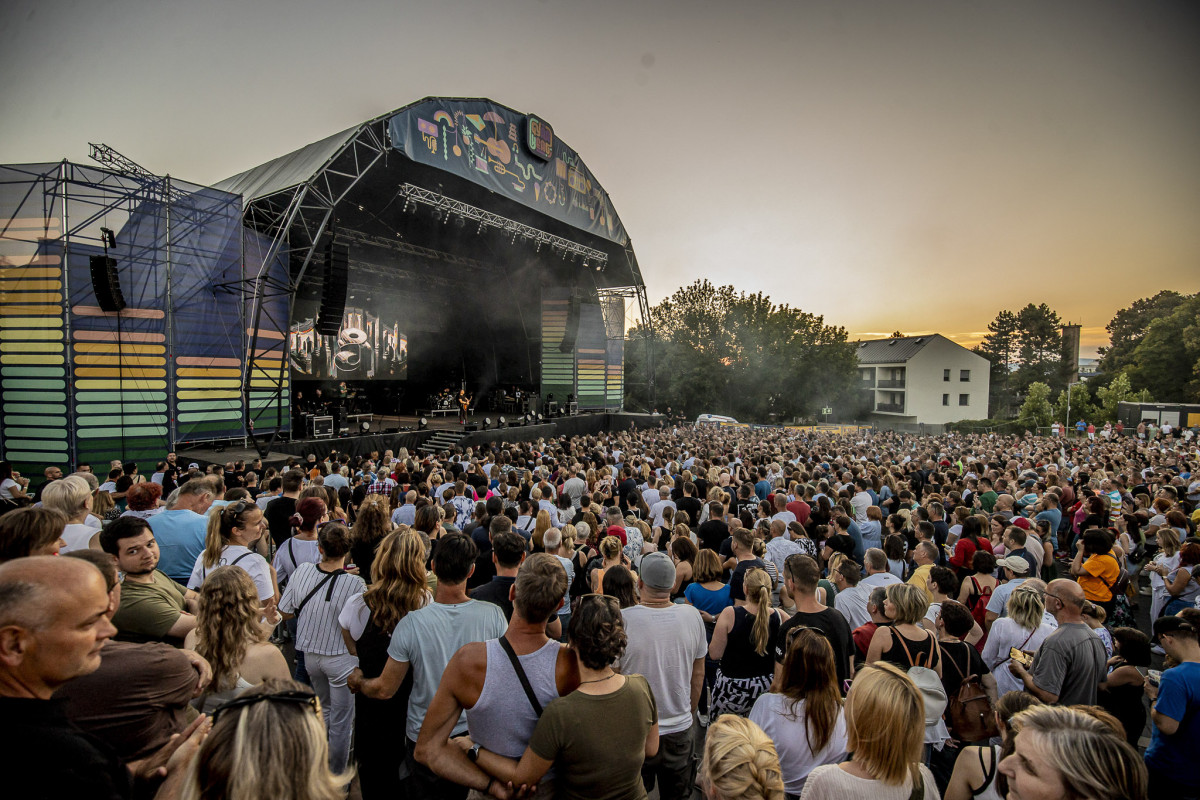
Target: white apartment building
x,y
923,380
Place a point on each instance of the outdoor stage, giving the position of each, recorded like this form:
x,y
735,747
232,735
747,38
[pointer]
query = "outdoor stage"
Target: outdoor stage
x,y
450,244
430,437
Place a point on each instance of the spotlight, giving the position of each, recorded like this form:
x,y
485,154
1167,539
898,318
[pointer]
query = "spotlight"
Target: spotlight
x,y
365,426
487,423
422,423
540,417
503,422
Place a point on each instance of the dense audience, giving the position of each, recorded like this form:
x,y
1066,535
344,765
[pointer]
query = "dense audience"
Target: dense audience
x,y
735,612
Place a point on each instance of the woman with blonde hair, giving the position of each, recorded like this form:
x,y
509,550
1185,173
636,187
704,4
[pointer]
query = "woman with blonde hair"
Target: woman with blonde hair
x,y
72,497
1167,558
739,762
540,527
1062,753
803,711
610,552
268,742
905,643
743,642
367,621
880,709
371,524
232,531
229,634
1023,628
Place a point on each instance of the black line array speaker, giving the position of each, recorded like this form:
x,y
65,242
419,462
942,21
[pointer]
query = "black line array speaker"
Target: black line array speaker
x,y
106,283
572,330
333,291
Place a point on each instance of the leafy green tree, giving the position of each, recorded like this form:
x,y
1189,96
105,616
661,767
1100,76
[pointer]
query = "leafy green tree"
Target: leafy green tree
x,y
1036,411
999,347
719,350
1118,390
1080,406
1127,328
1166,360
1040,346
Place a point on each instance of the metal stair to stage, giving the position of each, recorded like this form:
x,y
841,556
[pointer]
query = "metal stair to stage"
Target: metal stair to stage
x,y
441,440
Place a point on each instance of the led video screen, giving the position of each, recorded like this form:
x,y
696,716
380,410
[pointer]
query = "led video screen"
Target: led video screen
x,y
368,346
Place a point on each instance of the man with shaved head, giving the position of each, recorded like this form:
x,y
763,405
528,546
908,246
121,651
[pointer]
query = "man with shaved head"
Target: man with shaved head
x,y
1070,664
53,623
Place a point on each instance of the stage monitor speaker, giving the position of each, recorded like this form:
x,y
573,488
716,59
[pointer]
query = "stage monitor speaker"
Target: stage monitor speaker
x,y
471,427
106,283
572,330
333,291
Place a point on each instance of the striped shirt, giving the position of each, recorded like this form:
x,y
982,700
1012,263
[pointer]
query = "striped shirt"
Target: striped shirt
x,y
317,628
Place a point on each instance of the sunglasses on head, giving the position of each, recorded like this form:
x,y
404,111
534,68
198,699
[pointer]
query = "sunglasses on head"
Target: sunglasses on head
x,y
290,696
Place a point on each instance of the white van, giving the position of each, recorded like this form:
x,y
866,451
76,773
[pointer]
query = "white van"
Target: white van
x,y
716,420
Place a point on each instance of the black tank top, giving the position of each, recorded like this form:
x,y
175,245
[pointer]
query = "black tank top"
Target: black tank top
x,y
740,660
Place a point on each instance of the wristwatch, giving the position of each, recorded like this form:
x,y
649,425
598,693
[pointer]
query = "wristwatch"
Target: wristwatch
x,y
473,753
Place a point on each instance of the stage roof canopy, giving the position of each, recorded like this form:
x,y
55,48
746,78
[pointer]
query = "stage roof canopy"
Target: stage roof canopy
x,y
471,151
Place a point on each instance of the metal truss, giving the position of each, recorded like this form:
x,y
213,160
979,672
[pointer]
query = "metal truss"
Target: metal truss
x,y
448,205
296,219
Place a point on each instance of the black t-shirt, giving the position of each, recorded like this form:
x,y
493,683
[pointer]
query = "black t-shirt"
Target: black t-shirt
x,y
495,591
841,543
279,512
713,533
836,630
693,507
42,754
736,590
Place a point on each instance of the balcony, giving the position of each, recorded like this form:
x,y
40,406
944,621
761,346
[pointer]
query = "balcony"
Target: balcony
x,y
898,384
890,408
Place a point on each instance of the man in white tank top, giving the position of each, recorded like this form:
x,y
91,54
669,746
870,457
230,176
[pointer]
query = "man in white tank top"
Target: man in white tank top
x,y
481,679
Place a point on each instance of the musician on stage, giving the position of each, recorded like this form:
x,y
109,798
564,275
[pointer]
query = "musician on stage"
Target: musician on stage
x,y
464,403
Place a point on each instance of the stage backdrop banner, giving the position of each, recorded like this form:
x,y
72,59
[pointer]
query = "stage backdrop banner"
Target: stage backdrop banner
x,y
489,144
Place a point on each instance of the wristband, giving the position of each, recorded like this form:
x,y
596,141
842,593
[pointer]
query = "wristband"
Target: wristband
x,y
488,789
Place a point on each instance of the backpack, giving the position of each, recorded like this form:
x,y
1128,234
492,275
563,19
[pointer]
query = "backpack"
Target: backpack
x,y
970,711
979,610
927,681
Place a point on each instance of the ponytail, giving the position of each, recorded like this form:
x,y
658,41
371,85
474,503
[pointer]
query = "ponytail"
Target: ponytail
x,y
214,539
757,584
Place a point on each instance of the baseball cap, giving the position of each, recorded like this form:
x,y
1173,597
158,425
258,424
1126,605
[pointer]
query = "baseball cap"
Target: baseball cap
x,y
658,572
1021,522
193,465
1015,563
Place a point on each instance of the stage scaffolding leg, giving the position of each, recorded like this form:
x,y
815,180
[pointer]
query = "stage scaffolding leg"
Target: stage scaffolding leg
x,y
648,327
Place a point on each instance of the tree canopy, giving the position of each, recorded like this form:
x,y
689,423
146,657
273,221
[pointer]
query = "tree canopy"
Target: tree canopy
x,y
718,350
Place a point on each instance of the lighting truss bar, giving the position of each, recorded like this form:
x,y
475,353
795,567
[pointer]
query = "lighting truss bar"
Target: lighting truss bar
x,y
439,202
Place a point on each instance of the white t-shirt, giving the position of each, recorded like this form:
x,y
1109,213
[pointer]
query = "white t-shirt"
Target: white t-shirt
x,y
76,537
774,714
1003,636
294,552
248,560
663,645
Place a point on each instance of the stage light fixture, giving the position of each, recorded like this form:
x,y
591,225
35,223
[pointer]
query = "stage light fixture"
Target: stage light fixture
x,y
422,423
541,418
365,427
503,422
487,423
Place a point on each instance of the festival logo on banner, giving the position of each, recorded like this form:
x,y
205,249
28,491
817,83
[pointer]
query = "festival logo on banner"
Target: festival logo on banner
x,y
481,142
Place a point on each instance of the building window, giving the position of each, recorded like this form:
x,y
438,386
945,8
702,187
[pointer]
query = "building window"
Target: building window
x,y
964,375
945,374
964,399
945,399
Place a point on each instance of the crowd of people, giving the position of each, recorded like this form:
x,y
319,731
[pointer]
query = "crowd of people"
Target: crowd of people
x,y
735,612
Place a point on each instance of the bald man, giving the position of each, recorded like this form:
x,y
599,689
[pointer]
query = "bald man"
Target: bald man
x,y
1071,662
53,623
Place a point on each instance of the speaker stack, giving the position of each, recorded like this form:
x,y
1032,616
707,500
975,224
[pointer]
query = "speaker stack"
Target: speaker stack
x,y
333,295
106,283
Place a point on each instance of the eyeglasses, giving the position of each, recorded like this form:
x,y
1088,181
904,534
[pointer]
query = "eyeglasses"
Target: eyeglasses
x,y
290,696
1056,597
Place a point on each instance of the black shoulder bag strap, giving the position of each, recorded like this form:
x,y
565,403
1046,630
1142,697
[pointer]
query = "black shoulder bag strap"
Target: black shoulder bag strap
x,y
328,595
516,662
204,570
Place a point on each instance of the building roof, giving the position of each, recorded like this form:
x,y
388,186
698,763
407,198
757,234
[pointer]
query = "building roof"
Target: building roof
x,y
893,351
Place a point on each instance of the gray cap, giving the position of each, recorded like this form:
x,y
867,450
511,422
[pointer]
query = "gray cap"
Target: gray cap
x,y
657,571
1015,563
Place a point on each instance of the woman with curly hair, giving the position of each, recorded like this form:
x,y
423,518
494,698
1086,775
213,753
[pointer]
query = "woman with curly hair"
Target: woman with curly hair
x,y
367,621
142,500
372,523
231,637
599,735
740,762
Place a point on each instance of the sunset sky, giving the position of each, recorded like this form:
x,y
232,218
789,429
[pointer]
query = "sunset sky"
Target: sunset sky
x,y
891,165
